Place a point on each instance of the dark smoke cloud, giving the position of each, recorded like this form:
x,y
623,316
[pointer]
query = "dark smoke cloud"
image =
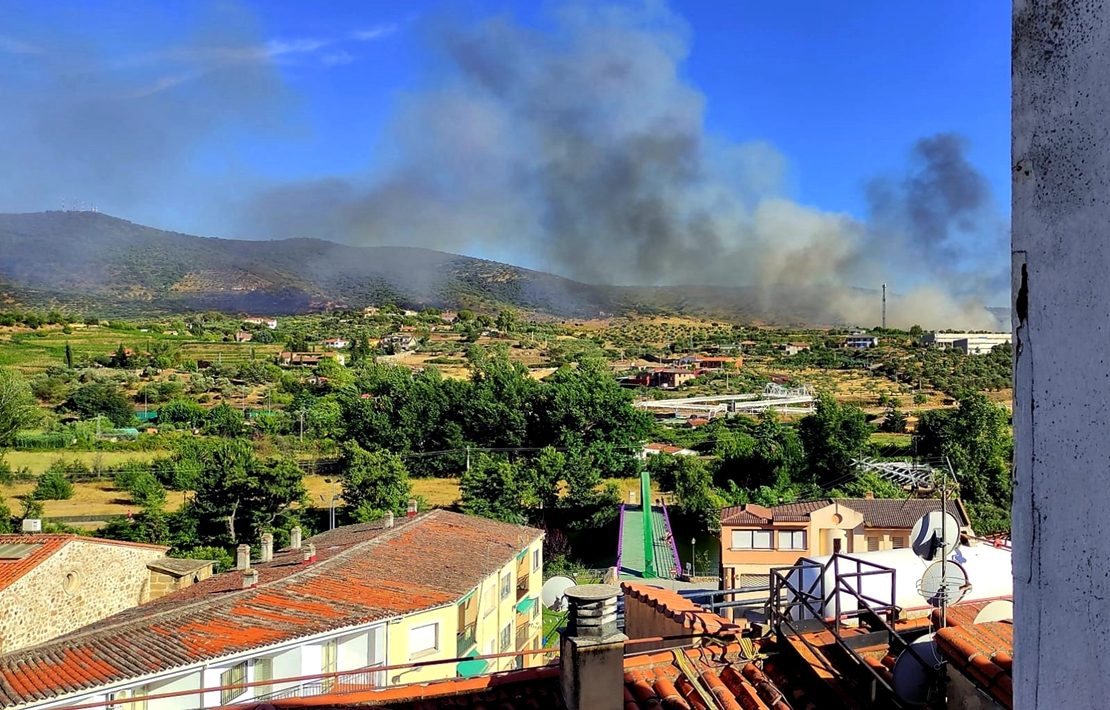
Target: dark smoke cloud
x,y
581,150
577,149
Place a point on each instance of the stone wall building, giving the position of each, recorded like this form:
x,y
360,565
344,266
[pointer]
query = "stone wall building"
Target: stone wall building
x,y
53,584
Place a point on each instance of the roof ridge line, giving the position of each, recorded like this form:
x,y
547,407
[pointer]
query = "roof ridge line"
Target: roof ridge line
x,y
235,594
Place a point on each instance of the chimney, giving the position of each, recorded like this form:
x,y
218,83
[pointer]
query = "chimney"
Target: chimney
x,y
388,521
243,557
869,495
250,578
309,553
295,538
267,548
412,508
591,654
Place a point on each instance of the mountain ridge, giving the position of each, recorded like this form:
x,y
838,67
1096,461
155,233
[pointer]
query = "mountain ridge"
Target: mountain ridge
x,y
96,263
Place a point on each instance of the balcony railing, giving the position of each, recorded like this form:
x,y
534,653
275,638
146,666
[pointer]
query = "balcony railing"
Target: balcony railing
x,y
342,682
523,634
466,639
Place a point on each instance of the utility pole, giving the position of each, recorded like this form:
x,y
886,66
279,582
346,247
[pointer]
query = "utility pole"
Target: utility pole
x,y
884,306
300,416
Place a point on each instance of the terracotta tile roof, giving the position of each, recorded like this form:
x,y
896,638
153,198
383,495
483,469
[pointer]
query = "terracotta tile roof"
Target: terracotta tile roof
x,y
877,512
47,545
985,654
363,573
663,680
677,607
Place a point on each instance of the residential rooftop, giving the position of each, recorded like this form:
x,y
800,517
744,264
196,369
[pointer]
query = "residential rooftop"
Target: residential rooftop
x,y
20,554
876,512
361,574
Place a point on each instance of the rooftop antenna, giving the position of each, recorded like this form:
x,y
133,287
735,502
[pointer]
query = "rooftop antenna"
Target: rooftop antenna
x,y
884,306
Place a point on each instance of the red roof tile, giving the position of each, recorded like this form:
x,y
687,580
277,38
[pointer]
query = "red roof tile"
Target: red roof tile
x,y
985,654
655,681
677,607
363,573
48,544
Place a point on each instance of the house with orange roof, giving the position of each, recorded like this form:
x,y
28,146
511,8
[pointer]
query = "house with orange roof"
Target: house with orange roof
x,y
425,589
52,584
655,448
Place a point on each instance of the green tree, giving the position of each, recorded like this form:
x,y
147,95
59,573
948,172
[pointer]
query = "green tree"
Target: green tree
x,y
975,438
373,482
18,408
492,489
224,560
224,420
143,486
694,493
546,472
101,398
181,412
833,436
894,421
506,321
53,485
866,483
237,495
69,356
7,522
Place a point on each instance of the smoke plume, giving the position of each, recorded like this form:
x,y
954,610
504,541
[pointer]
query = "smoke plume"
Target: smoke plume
x,y
582,151
577,149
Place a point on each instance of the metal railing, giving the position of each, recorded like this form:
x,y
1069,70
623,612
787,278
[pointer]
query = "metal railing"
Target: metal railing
x,y
793,603
466,639
338,683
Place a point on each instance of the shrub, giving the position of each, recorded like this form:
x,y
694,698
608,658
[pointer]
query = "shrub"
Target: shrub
x,y
53,485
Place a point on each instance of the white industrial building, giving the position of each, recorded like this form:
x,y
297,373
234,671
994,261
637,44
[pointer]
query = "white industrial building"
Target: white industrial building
x,y
969,343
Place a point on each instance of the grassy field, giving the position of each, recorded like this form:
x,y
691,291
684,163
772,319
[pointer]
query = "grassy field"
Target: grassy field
x,y
38,461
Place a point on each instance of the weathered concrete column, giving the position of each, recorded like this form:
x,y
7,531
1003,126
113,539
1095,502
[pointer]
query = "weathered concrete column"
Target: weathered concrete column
x,y
295,538
1061,266
243,557
267,554
591,650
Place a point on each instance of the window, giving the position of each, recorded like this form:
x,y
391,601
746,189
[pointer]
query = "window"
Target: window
x,y
751,540
329,663
897,543
114,698
423,640
536,560
506,637
138,698
489,601
506,586
792,539
234,676
263,671
872,543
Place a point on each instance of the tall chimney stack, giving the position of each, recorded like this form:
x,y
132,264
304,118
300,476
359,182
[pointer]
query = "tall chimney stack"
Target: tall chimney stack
x,y
387,522
591,657
267,554
243,557
412,508
309,553
250,578
295,538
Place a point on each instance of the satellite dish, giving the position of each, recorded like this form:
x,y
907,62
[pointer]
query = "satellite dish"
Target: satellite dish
x,y
913,682
944,583
553,594
1000,610
936,535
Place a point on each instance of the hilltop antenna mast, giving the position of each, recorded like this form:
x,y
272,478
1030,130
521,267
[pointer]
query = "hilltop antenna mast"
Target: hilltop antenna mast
x,y
884,306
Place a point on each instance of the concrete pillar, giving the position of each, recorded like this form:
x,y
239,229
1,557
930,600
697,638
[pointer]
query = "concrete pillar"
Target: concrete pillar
x,y
591,651
1061,281
295,538
250,578
387,522
243,557
267,554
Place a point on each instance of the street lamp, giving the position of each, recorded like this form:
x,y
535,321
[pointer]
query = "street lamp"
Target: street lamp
x,y
693,556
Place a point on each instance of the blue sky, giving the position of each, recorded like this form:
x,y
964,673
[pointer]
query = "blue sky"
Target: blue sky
x,y
175,113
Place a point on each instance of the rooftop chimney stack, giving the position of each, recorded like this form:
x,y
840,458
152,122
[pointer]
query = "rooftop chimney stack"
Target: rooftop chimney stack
x,y
295,538
243,557
267,554
388,521
250,578
309,553
412,508
869,495
591,658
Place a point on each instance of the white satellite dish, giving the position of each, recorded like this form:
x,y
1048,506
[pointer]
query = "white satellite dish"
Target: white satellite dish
x,y
913,682
1000,610
936,535
944,583
553,594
